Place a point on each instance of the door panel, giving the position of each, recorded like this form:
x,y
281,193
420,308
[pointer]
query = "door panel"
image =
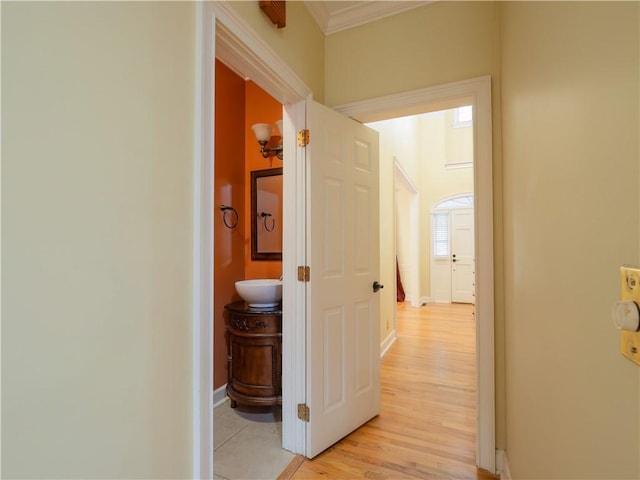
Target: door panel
x,y
362,228
441,280
363,352
462,252
334,361
343,345
333,218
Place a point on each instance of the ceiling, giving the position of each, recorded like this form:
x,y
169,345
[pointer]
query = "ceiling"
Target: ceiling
x,y
334,16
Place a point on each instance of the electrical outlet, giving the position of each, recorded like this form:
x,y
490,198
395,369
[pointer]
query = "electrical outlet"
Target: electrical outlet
x,y
630,291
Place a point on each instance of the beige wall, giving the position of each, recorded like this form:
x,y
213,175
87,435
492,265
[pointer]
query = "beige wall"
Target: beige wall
x,y
398,140
442,42
97,135
571,164
439,142
300,44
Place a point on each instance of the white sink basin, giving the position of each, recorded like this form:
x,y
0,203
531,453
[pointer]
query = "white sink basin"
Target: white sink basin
x,y
260,293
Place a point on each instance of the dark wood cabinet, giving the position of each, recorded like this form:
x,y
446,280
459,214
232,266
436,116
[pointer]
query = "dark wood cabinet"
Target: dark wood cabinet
x,y
254,355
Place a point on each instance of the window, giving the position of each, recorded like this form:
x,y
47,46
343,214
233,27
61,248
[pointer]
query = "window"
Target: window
x,y
441,234
457,202
440,222
463,116
459,138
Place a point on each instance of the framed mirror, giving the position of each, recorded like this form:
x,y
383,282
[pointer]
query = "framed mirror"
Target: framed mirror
x,y
266,214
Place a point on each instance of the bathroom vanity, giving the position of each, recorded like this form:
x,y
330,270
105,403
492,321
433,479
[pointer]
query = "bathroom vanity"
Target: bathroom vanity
x,y
254,354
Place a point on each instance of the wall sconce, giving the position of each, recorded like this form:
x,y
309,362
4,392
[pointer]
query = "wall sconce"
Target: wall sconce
x,y
263,132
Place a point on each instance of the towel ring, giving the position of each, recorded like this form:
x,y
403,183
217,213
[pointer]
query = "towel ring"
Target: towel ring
x,y
265,216
226,209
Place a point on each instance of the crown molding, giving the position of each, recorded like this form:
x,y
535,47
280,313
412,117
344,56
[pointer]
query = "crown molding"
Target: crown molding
x,y
320,13
357,13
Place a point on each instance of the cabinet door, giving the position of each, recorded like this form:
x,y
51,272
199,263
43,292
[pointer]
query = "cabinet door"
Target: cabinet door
x,y
255,365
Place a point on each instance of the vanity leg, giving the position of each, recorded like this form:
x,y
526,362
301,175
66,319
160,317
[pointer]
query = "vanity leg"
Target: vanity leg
x,y
233,403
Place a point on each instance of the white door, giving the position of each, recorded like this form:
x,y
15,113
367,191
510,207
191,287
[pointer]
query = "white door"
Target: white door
x,y
462,256
343,335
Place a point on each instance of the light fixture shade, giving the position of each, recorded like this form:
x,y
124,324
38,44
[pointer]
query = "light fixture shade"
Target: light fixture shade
x,y
262,131
279,125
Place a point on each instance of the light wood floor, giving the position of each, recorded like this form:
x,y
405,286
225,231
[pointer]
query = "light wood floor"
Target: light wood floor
x,y
426,427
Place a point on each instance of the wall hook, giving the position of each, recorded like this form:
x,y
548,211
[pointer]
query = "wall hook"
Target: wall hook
x,y
226,209
268,226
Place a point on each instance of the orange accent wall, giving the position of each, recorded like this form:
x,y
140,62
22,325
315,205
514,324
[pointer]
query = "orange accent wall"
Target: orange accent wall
x,y
260,107
229,189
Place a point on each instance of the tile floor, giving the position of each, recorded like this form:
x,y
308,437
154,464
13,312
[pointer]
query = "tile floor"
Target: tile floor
x,y
248,443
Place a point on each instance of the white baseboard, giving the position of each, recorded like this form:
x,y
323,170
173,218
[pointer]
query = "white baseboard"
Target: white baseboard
x,y
502,465
387,342
425,300
219,395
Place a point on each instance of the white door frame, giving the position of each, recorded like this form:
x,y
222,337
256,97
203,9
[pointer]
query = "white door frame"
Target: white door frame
x,y
476,92
222,33
403,180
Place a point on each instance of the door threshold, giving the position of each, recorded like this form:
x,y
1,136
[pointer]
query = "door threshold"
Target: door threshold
x,y
292,468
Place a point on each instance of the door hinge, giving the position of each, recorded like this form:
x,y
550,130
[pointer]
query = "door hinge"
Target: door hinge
x,y
303,138
304,274
303,412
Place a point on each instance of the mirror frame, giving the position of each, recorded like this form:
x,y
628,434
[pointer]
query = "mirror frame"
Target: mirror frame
x,y
255,175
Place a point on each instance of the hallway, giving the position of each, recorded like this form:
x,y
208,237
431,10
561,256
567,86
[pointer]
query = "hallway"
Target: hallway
x,y
426,427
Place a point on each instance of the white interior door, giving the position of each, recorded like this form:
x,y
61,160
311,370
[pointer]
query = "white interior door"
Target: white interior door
x,y
462,256
343,335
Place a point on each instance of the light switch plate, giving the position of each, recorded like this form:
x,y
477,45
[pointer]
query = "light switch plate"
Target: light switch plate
x,y
630,290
